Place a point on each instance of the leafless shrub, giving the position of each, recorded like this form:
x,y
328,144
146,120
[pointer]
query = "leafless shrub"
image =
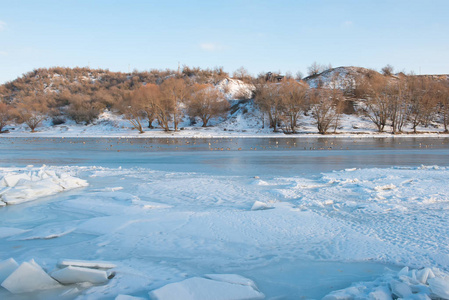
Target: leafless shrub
x,y
32,111
207,102
83,110
6,115
387,70
326,107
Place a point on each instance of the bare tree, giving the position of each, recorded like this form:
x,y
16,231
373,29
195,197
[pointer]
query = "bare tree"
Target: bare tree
x,y
442,95
269,102
292,97
32,110
132,108
423,100
398,97
242,74
374,90
387,70
150,96
6,115
326,107
207,102
315,69
175,92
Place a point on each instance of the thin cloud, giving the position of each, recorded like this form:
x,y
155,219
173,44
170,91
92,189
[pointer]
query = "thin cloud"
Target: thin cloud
x,y
348,23
2,25
3,53
211,47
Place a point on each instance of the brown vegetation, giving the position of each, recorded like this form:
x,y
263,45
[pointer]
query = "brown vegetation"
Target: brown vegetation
x,y
32,111
283,103
6,115
167,96
326,106
206,102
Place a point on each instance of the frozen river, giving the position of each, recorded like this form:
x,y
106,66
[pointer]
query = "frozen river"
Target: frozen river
x,y
163,210
245,156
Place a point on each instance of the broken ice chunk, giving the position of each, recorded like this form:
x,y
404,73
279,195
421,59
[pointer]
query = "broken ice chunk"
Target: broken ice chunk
x,y
422,275
197,288
348,293
439,286
260,206
380,293
12,179
86,264
7,267
400,289
72,274
232,278
28,278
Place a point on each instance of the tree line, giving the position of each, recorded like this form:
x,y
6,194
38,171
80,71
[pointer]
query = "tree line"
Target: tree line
x,y
403,101
164,97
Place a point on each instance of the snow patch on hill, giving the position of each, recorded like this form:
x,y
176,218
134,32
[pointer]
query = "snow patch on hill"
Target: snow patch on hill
x,y
343,78
236,89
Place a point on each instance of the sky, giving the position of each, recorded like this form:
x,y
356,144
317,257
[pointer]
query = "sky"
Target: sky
x,y
262,36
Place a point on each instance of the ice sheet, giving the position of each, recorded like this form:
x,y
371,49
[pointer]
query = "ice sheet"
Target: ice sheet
x,y
202,224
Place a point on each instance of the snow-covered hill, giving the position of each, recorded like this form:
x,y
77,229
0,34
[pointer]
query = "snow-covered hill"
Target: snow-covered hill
x,y
244,118
344,78
236,89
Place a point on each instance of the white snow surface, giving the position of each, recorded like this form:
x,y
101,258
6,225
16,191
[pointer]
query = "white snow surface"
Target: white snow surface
x,y
394,216
343,78
235,89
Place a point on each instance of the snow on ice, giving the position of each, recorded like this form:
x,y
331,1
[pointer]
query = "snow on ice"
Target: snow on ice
x,y
202,224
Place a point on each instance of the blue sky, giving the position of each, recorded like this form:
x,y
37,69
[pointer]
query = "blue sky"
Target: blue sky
x,y
259,35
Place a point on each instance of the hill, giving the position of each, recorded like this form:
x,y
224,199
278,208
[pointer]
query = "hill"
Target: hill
x,y
83,96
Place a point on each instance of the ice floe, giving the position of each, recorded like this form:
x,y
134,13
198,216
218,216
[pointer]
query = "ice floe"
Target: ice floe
x,y
22,185
28,277
7,267
198,288
86,264
71,274
406,284
258,205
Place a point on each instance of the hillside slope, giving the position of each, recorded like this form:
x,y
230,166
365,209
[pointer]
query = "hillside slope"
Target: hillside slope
x,y
244,118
